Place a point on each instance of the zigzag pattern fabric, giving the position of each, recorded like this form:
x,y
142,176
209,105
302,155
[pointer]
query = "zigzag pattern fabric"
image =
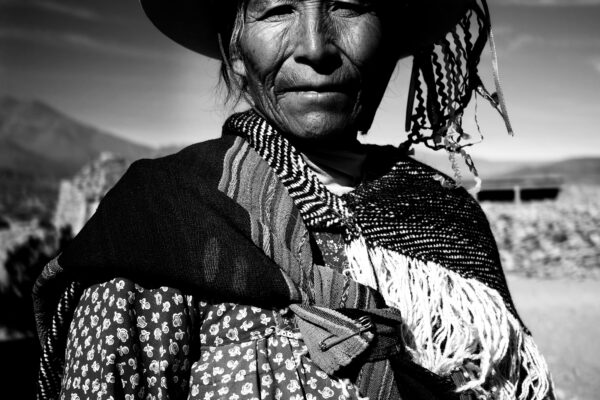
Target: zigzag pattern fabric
x,y
318,206
407,210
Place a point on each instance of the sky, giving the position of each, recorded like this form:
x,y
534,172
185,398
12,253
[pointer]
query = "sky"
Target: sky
x,y
103,63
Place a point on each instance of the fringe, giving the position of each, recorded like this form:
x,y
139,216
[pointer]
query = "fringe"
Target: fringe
x,y
454,324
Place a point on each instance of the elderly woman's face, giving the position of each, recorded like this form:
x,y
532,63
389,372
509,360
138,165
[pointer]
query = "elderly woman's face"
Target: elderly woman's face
x,y
315,68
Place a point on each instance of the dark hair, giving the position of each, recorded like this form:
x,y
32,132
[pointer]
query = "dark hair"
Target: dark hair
x,y
229,42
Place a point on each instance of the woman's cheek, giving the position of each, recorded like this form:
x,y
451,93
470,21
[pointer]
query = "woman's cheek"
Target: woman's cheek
x,y
360,41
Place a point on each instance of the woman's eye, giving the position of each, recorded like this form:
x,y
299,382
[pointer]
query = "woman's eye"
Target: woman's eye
x,y
349,9
277,13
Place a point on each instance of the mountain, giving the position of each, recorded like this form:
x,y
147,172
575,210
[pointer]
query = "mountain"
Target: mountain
x,y
486,168
39,146
584,171
18,159
38,138
575,170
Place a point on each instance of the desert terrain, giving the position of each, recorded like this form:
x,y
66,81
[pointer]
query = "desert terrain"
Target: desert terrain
x,y
564,317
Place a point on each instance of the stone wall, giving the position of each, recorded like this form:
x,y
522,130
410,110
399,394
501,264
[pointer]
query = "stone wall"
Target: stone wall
x,y
79,197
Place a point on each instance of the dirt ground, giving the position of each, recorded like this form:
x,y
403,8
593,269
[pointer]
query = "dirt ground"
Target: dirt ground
x,y
564,317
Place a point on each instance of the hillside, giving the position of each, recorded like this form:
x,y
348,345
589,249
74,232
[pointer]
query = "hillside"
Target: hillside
x,y
39,146
486,168
33,129
584,171
576,170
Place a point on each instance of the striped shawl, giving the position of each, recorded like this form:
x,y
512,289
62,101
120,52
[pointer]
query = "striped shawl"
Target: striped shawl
x,y
243,206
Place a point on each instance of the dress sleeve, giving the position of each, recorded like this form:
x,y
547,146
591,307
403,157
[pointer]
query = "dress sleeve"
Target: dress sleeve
x,y
127,342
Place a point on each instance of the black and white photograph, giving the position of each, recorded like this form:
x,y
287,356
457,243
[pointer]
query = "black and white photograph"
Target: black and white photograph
x,y
300,199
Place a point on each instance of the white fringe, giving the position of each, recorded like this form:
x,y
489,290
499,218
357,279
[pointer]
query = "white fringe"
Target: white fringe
x,y
454,324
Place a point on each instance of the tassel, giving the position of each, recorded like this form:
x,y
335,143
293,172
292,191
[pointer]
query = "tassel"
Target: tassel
x,y
454,324
501,102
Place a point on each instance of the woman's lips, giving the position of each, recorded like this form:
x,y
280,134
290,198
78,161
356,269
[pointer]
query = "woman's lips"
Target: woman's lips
x,y
326,94
309,98
318,88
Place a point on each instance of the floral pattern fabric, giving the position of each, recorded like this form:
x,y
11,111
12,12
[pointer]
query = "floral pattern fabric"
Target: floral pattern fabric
x,y
128,342
331,247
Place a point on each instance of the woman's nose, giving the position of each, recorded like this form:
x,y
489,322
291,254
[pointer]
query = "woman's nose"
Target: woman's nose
x,y
315,42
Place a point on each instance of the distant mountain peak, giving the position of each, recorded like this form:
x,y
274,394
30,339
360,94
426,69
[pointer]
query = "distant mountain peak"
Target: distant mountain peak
x,y
13,104
8,102
14,109
36,128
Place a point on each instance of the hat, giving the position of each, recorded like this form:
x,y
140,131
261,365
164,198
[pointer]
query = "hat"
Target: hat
x,y
195,24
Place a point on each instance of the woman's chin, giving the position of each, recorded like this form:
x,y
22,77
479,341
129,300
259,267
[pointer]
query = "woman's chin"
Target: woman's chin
x,y
320,126
315,115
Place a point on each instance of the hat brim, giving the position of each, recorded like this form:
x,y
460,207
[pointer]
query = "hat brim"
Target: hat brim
x,y
194,24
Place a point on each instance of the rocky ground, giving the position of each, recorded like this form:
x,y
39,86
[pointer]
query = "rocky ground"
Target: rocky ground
x,y
551,252
17,234
555,239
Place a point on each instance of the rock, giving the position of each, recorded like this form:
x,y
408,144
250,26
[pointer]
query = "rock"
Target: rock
x,y
79,197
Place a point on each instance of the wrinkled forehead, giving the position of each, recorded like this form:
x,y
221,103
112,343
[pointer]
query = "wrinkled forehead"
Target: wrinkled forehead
x,y
387,10
411,24
267,2
257,4
394,14
399,13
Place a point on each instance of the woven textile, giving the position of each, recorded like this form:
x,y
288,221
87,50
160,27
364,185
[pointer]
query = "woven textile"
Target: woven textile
x,y
319,207
217,210
406,210
186,221
428,249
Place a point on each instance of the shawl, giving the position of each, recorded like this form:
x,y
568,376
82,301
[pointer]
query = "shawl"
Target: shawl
x,y
241,207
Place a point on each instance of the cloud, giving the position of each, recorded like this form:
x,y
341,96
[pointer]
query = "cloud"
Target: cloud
x,y
596,63
70,10
80,41
521,41
501,30
511,41
547,3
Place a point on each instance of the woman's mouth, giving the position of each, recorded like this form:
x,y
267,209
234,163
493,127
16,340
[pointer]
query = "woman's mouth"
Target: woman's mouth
x,y
320,98
322,94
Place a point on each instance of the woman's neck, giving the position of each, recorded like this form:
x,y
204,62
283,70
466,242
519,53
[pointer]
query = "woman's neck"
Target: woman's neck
x,y
340,170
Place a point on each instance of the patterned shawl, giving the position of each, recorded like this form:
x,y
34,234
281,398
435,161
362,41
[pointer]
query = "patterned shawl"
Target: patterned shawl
x,y
242,207
428,249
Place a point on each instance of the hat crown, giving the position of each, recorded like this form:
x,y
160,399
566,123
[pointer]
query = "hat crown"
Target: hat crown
x,y
195,24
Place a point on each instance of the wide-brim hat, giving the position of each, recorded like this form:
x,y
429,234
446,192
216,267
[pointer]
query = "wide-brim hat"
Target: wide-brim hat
x,y
195,24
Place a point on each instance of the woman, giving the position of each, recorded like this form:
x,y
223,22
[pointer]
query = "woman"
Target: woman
x,y
285,259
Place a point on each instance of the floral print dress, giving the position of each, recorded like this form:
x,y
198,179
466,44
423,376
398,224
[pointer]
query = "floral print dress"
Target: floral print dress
x,y
129,342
